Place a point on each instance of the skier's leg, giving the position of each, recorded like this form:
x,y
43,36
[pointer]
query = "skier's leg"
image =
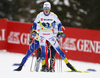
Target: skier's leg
x,y
55,44
29,52
47,54
38,59
52,60
42,42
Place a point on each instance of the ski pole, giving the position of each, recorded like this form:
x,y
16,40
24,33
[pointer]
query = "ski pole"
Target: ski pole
x,y
32,58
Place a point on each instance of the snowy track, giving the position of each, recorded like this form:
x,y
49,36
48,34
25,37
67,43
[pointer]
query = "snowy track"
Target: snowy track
x,y
8,59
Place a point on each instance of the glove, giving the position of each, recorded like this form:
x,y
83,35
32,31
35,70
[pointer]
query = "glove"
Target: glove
x,y
35,32
63,35
30,41
58,35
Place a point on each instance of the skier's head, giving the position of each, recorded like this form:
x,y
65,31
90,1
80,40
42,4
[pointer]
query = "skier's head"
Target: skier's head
x,y
46,8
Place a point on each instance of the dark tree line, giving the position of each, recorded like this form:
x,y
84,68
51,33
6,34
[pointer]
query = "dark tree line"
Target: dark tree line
x,y
72,13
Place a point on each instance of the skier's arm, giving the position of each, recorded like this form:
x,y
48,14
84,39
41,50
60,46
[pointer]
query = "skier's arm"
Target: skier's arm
x,y
60,32
32,32
35,24
34,28
59,28
30,40
58,22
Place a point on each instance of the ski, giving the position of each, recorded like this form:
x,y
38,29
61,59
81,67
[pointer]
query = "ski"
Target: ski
x,y
16,64
80,71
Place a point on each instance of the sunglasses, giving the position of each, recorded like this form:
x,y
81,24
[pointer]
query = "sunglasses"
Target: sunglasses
x,y
46,8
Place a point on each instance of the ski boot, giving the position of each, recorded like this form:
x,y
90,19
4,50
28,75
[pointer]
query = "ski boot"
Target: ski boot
x,y
44,68
19,68
52,64
71,67
52,69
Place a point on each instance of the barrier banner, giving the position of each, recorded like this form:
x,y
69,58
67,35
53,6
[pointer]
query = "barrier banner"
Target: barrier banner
x,y
3,34
82,44
79,44
18,36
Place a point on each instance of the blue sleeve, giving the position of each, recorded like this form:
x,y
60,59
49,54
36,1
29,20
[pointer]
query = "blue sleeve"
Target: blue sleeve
x,y
33,27
59,27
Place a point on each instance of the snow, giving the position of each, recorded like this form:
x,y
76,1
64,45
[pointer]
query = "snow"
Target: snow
x,y
7,60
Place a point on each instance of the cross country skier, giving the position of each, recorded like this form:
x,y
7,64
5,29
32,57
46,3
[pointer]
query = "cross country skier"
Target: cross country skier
x,y
47,21
31,50
50,53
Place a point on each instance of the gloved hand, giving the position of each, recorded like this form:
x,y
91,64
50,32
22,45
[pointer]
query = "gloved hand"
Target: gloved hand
x,y
30,41
63,35
58,35
35,32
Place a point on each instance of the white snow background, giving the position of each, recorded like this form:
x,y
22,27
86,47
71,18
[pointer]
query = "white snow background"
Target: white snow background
x,y
7,60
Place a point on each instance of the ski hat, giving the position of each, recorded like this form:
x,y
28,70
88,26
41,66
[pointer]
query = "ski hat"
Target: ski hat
x,y
47,4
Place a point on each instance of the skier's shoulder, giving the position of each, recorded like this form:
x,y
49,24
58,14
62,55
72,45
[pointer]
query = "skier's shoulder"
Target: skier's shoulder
x,y
52,13
39,14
